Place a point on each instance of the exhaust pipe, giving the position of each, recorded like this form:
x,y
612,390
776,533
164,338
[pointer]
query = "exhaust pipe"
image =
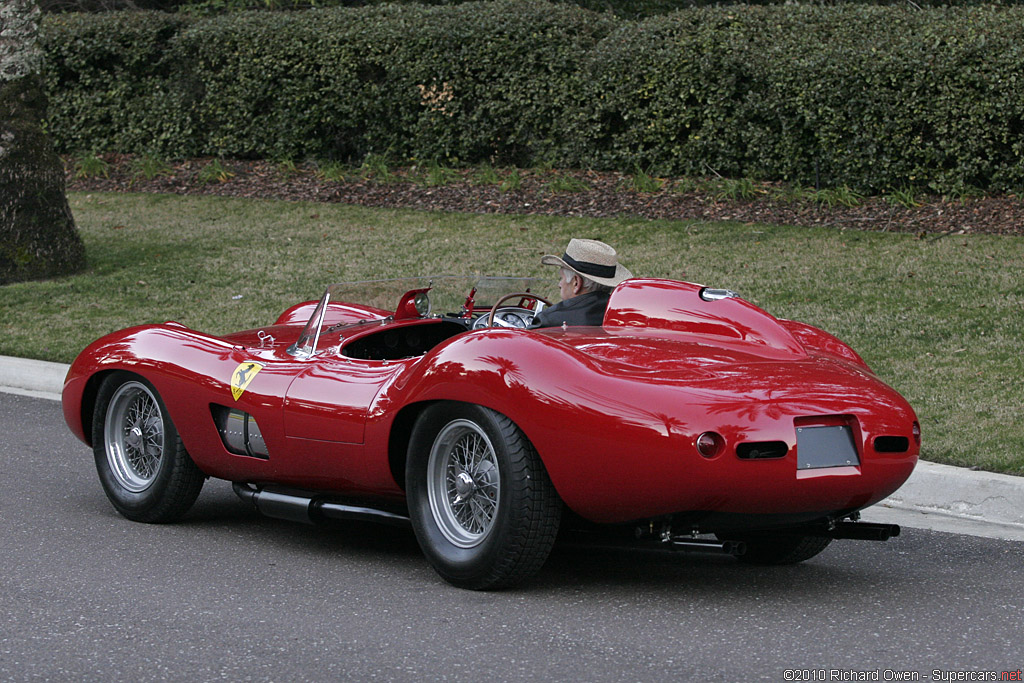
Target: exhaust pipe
x,y
685,543
295,507
863,531
275,504
328,510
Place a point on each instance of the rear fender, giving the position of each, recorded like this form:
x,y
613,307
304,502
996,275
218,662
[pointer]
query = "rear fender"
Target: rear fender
x,y
814,339
548,387
685,307
621,445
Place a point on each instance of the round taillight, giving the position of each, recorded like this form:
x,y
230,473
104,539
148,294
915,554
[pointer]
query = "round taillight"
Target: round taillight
x,y
916,432
710,444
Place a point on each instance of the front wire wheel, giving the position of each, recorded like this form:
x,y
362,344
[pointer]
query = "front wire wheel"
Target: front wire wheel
x,y
133,435
483,508
143,466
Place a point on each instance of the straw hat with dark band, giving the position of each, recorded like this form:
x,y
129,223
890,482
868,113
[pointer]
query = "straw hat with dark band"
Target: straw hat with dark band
x,y
592,259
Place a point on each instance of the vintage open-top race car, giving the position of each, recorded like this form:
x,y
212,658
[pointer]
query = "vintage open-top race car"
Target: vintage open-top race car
x,y
689,419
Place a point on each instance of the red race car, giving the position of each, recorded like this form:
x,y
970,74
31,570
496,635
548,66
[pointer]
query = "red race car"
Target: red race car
x,y
690,419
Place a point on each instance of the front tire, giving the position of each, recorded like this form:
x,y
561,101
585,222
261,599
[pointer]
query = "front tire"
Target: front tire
x,y
482,505
143,466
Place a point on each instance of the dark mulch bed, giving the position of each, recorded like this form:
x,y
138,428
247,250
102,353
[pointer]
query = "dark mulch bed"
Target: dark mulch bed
x,y
606,194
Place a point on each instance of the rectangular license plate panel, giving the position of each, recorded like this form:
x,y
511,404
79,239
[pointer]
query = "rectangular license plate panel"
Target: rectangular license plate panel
x,y
821,447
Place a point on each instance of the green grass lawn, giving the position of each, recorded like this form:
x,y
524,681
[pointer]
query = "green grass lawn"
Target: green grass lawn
x,y
939,319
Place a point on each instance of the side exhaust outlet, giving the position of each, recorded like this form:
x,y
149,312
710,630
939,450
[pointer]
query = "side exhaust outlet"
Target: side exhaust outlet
x,y
296,507
864,531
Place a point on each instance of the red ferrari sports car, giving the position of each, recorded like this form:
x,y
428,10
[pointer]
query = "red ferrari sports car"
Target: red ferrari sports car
x,y
690,419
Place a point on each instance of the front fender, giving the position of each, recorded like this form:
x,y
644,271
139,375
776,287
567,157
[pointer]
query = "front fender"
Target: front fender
x,y
169,355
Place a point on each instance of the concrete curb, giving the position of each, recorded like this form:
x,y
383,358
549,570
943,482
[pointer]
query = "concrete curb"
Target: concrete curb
x,y
933,490
37,378
959,492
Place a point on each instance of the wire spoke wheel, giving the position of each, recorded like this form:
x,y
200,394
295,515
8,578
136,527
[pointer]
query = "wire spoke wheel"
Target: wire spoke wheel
x,y
145,470
481,503
134,436
463,483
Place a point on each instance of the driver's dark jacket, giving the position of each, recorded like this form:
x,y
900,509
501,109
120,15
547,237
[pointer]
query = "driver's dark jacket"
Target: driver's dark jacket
x,y
585,309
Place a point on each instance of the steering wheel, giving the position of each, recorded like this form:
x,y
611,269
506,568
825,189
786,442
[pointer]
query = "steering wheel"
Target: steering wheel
x,y
520,295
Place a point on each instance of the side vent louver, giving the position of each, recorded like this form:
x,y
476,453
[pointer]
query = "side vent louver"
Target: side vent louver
x,y
239,432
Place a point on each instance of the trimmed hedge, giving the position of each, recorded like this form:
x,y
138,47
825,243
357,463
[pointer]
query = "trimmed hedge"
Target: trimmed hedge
x,y
474,81
871,97
468,82
112,79
627,9
875,98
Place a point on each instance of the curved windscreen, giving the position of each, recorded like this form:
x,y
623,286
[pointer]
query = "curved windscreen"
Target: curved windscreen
x,y
353,303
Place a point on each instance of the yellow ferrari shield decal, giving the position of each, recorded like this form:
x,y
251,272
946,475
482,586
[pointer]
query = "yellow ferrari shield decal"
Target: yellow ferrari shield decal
x,y
241,377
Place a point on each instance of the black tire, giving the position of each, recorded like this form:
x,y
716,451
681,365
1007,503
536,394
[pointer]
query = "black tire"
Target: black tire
x,y
778,548
143,466
482,505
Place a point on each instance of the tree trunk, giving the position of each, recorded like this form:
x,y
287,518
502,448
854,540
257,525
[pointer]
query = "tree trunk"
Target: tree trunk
x,y
38,238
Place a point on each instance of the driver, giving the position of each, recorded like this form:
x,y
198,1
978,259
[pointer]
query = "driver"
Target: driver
x,y
588,271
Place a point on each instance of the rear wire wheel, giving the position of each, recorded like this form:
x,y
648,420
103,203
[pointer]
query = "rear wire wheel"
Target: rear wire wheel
x,y
482,505
142,464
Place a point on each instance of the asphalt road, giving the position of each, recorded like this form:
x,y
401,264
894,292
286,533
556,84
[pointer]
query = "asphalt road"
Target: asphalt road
x,y
225,594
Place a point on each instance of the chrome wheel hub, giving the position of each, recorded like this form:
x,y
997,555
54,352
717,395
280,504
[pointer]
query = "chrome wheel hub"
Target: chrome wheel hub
x,y
463,483
464,486
133,439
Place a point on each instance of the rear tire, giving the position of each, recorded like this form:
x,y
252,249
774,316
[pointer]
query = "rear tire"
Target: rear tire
x,y
143,466
482,506
777,548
